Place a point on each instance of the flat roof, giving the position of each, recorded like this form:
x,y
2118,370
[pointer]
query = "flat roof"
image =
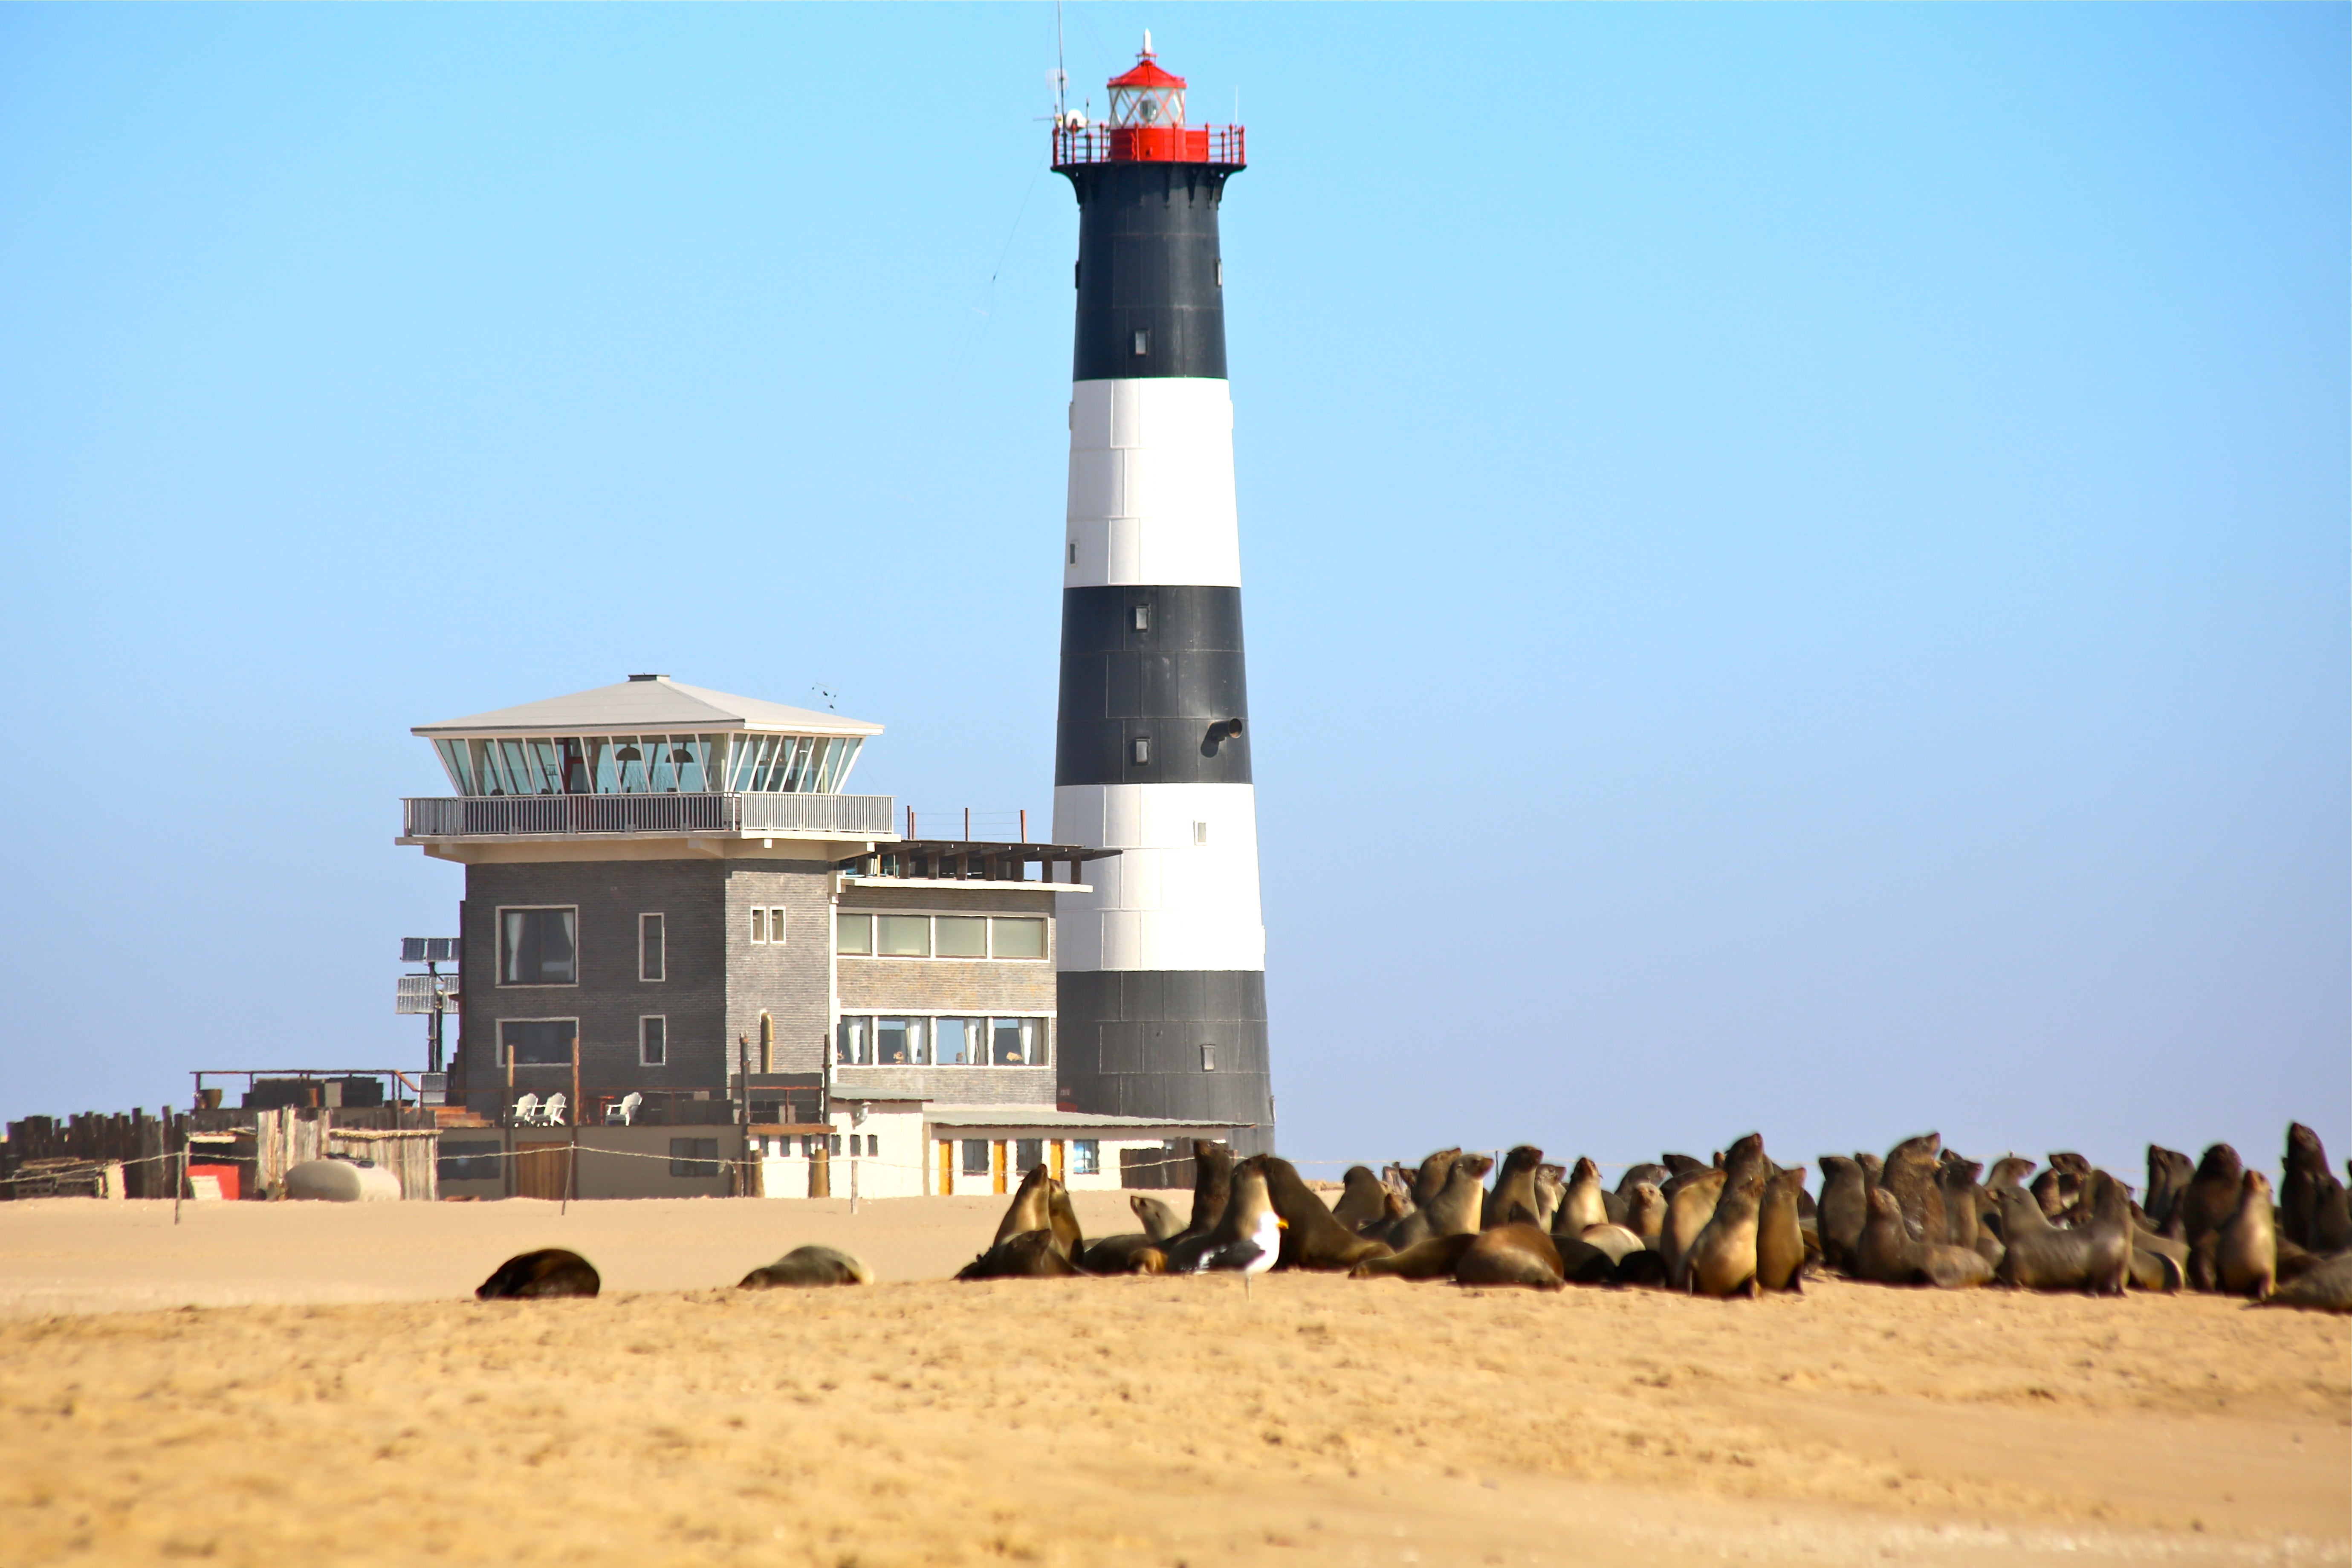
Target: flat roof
x,y
1048,1116
647,704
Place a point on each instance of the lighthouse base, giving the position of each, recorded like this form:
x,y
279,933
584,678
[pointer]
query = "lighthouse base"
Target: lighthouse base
x,y
1187,1045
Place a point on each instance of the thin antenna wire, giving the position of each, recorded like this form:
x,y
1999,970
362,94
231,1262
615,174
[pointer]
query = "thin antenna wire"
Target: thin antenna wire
x,y
1061,75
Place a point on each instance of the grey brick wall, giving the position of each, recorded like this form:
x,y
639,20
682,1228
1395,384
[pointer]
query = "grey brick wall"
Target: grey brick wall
x,y
792,982
610,998
949,1086
949,985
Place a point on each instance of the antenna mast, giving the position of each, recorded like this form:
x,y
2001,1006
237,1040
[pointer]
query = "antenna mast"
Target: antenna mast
x,y
1061,75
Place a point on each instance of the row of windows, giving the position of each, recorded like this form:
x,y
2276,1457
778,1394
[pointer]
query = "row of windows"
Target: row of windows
x,y
542,946
1085,1155
927,1042
698,1157
550,1042
940,936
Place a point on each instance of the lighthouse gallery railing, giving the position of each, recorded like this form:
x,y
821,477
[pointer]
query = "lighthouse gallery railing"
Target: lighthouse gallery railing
x,y
569,815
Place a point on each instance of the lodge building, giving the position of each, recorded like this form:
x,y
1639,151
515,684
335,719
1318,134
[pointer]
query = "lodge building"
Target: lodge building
x,y
684,944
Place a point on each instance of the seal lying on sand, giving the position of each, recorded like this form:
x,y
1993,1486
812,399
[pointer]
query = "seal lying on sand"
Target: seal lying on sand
x,y
1135,1252
1431,1259
2093,1257
807,1266
1038,1237
1513,1254
2326,1288
541,1276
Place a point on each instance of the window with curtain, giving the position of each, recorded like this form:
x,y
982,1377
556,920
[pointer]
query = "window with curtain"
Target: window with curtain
x,y
539,947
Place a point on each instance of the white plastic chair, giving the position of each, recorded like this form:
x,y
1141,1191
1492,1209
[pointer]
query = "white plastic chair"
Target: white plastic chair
x,y
526,1109
551,1110
625,1112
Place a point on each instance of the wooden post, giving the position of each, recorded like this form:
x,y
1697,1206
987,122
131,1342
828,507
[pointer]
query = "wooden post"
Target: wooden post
x,y
180,1185
572,1159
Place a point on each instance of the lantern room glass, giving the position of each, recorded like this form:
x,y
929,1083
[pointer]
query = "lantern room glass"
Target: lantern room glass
x,y
1140,108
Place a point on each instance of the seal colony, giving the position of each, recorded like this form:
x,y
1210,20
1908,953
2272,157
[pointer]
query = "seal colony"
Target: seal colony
x,y
1736,1225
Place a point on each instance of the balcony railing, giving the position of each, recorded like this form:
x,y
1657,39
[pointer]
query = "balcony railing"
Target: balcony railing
x,y
582,816
1149,144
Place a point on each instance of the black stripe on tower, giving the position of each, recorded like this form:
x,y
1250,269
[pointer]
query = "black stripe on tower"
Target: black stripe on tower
x,y
1151,684
1181,1044
1151,280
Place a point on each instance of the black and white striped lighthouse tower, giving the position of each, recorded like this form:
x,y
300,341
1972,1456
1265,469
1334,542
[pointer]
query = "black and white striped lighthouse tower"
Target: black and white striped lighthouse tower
x,y
1162,967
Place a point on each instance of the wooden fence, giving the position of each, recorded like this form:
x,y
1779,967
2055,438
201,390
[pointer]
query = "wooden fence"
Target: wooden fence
x,y
263,1142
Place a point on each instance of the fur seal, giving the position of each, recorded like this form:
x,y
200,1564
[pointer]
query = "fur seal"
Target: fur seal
x,y
1515,1253
1780,1233
1513,1200
1687,1212
1873,1166
1681,1166
1721,1259
806,1266
2328,1287
1030,1254
1311,1237
1889,1254
2168,1172
2246,1261
1159,1221
1032,1207
1134,1252
2311,1209
1429,1179
1213,1183
1431,1259
1551,1185
1909,1173
2093,1257
1645,1211
1656,1174
1580,1205
1066,1234
1958,1178
1363,1199
1454,1210
2212,1194
1613,1239
1843,1209
541,1276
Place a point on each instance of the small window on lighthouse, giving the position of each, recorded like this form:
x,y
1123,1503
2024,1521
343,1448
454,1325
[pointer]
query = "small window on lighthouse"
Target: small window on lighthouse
x,y
1142,751
1207,1058
1143,617
1199,833
1143,339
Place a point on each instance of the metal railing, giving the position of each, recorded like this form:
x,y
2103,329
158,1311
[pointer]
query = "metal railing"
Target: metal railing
x,y
1149,144
578,815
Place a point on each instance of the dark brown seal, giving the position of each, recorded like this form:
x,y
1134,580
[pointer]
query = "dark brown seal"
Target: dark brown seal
x,y
1910,1175
1431,1259
1888,1253
1513,1200
1843,1207
1962,1197
2212,1194
1582,1204
1311,1237
2326,1287
1032,1255
1363,1199
2311,1209
1429,1179
541,1276
806,1267
2168,1172
1513,1254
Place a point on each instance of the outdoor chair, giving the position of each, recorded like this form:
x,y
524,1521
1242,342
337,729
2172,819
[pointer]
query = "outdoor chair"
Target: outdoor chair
x,y
625,1112
526,1109
551,1110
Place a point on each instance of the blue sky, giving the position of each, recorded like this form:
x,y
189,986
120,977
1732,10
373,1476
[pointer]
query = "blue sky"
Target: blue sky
x,y
1796,559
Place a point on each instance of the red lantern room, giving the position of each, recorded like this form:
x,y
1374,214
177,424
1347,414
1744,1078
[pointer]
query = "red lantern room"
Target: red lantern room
x,y
1146,125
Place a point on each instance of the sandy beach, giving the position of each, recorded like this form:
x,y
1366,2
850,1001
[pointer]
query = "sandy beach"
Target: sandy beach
x,y
272,1383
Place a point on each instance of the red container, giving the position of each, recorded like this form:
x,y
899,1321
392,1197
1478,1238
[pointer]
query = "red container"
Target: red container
x,y
228,1175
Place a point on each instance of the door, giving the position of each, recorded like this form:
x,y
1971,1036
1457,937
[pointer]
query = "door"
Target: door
x,y
541,1170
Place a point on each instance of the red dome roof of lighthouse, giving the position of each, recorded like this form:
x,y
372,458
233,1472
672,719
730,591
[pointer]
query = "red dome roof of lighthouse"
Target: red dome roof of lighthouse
x,y
1147,74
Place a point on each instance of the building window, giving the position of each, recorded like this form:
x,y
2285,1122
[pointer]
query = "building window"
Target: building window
x,y
1017,938
1199,833
1085,1156
1012,1042
538,1042
1142,340
975,1156
873,1145
1142,615
959,1041
961,936
539,947
767,927
899,1042
1141,749
904,936
758,927
653,1041
653,955
1207,1058
854,1047
1028,1153
694,1157
1074,552
854,933
833,1144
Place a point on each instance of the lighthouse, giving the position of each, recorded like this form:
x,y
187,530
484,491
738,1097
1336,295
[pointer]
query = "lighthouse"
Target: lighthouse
x,y
1162,965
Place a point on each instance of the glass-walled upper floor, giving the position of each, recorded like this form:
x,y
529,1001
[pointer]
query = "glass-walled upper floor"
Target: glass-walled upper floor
x,y
650,764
